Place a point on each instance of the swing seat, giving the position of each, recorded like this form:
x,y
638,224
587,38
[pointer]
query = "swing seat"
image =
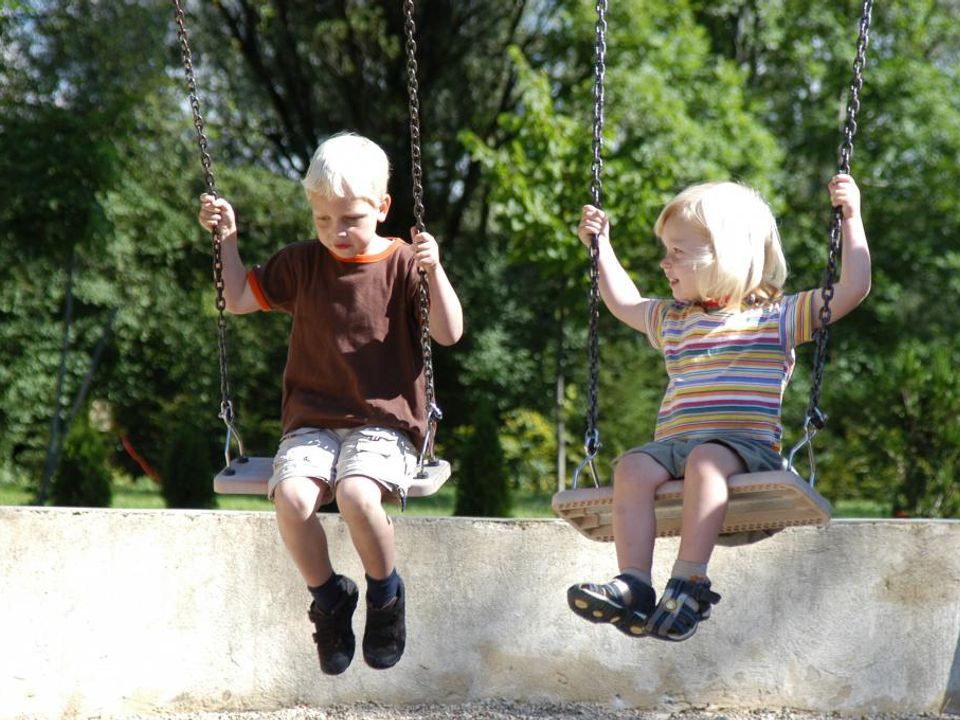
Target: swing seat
x,y
250,475
760,504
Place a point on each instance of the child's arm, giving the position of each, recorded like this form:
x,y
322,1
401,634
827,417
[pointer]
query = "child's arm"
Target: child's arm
x,y
446,315
237,294
618,291
854,283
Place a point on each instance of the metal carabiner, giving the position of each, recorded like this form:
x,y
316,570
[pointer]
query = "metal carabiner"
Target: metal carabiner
x,y
226,414
809,431
591,446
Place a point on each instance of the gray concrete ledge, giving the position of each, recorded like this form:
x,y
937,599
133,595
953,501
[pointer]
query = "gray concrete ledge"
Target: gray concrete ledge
x,y
109,613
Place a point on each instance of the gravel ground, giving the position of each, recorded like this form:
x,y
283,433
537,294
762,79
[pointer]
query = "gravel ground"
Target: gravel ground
x,y
508,710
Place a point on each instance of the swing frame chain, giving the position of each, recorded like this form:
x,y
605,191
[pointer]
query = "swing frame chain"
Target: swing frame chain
x,y
434,413
591,438
226,405
815,418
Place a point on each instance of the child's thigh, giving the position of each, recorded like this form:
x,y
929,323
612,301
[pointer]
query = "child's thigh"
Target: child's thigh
x,y
385,455
306,453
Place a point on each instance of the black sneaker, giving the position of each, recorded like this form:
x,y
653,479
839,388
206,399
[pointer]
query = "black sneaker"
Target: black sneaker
x,y
386,634
334,636
606,604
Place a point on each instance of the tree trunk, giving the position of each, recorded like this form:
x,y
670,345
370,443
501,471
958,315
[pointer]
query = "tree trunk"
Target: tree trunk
x,y
559,398
56,432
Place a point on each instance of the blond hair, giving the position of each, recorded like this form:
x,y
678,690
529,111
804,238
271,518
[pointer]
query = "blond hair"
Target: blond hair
x,y
743,261
347,164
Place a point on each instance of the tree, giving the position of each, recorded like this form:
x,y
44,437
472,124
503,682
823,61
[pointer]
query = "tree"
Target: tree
x,y
482,486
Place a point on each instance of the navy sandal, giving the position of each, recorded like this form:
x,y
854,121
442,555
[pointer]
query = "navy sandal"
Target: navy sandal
x,y
606,604
684,605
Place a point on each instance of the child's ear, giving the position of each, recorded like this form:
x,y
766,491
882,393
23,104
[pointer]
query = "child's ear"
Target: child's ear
x,y
384,208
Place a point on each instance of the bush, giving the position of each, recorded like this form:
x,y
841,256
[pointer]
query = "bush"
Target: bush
x,y
482,489
187,468
83,476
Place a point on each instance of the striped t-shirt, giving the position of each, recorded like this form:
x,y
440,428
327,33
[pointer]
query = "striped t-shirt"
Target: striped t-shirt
x,y
727,370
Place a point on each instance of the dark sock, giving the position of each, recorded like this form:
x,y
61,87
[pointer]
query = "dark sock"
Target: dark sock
x,y
381,592
326,596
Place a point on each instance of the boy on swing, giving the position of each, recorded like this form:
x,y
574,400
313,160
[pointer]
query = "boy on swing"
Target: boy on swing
x,y
353,410
728,338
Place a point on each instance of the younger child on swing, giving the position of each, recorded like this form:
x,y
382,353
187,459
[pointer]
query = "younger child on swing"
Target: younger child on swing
x,y
728,338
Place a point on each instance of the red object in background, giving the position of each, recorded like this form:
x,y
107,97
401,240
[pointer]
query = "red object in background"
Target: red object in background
x,y
144,465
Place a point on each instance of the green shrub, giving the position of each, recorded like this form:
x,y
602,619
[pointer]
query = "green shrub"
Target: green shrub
x,y
483,489
187,469
83,476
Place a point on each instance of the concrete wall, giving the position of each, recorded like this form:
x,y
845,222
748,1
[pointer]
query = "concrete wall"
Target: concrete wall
x,y
110,613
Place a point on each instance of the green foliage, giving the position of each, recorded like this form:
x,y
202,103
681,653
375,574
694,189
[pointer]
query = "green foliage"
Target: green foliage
x,y
905,447
98,155
529,447
482,486
187,469
83,477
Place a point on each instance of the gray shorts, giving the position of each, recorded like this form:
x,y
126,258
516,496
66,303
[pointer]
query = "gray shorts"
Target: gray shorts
x,y
672,454
329,455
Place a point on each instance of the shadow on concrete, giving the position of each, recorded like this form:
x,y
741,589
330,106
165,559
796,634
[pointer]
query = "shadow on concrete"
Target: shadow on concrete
x,y
951,698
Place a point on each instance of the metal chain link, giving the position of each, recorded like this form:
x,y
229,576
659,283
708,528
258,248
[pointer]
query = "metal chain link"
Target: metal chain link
x,y
814,415
226,404
413,90
591,440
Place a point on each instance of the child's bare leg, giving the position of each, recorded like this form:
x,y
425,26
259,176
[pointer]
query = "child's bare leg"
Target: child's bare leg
x,y
627,600
296,501
360,501
635,482
371,530
705,496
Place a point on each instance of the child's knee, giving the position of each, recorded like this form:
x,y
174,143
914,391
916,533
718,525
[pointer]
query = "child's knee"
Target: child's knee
x,y
299,498
358,494
639,470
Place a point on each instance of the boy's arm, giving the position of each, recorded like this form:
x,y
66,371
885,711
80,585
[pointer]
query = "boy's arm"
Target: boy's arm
x,y
854,283
446,314
619,292
237,293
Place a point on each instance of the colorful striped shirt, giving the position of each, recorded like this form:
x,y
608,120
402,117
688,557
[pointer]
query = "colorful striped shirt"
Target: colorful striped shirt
x,y
727,370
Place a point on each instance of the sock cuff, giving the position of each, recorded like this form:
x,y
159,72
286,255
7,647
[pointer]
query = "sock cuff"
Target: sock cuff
x,y
689,570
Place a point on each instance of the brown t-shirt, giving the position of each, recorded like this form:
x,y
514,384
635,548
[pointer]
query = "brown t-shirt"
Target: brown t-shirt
x,y
354,357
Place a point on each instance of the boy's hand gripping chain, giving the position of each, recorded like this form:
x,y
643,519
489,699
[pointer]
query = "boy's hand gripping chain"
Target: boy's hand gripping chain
x,y
226,405
413,90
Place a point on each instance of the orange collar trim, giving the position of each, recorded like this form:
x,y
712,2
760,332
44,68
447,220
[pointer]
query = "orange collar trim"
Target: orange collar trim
x,y
362,259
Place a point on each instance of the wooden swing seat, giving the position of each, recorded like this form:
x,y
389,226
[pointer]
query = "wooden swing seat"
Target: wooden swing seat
x,y
759,503
250,475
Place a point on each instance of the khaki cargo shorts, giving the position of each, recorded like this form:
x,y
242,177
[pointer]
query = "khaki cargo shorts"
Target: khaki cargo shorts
x,y
329,455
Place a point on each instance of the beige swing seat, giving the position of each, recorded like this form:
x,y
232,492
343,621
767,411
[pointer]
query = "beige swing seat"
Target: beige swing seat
x,y
760,504
250,475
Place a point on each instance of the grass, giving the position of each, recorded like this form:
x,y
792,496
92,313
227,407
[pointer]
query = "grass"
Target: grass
x,y
144,493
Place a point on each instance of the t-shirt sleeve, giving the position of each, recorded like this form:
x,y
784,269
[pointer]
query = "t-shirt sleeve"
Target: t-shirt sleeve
x,y
656,312
796,319
275,284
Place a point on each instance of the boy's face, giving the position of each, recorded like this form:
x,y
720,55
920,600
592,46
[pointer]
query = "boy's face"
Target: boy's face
x,y
686,249
347,226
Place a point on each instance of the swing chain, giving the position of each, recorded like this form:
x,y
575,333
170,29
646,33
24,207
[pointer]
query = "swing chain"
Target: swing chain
x,y
814,415
413,90
591,440
226,405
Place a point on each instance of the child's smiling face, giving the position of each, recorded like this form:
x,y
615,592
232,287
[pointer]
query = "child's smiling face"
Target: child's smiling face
x,y
686,252
347,226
